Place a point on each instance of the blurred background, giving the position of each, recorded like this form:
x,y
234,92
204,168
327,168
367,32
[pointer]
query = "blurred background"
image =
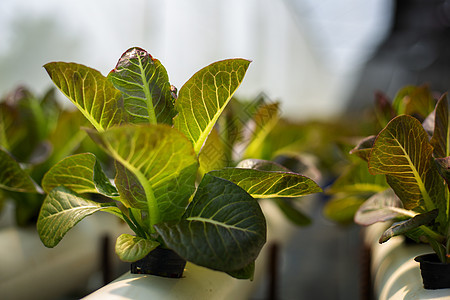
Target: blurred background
x,y
318,58
307,54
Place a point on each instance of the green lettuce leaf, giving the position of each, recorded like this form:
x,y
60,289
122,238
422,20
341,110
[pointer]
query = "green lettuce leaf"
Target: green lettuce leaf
x,y
131,248
203,98
92,93
267,184
145,86
163,162
81,173
62,209
403,152
223,228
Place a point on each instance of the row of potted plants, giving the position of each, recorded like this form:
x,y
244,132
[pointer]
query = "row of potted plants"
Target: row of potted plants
x,y
184,169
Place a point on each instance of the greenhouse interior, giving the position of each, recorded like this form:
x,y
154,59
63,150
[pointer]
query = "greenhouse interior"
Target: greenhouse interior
x,y
251,150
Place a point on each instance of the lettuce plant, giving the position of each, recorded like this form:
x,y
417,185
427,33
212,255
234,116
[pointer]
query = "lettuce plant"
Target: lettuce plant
x,y
414,157
355,184
157,137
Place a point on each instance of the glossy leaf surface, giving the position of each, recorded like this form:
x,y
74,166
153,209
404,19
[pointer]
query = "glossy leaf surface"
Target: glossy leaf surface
x,y
92,93
80,173
131,248
204,96
161,159
266,184
223,227
402,151
145,86
62,209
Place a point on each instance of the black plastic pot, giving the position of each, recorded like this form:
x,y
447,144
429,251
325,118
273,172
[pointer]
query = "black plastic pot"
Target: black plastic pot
x,y
435,274
161,262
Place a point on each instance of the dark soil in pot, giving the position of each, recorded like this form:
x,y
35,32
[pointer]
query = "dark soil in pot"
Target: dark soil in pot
x,y
161,262
435,274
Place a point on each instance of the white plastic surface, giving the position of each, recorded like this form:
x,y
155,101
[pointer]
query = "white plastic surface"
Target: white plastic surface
x,y
29,270
200,283
197,283
395,274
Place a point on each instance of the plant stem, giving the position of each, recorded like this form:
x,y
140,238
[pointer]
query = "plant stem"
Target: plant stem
x,y
432,234
139,231
131,224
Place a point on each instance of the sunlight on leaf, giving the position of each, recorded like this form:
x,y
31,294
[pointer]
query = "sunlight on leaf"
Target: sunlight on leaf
x,y
93,94
403,152
131,248
202,98
81,173
161,159
265,184
62,209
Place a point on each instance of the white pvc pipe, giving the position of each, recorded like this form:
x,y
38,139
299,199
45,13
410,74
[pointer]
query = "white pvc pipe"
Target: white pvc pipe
x,y
197,283
395,274
200,283
29,270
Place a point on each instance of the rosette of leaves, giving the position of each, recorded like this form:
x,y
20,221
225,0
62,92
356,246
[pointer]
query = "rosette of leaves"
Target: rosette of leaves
x,y
31,131
414,158
356,184
156,138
